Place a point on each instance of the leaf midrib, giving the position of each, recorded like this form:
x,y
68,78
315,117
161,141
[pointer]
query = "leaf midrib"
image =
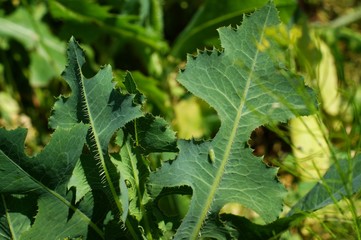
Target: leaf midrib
x,y
58,196
95,137
220,173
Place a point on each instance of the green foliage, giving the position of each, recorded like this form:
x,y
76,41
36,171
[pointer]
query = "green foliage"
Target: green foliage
x,y
247,90
42,178
341,180
46,51
212,16
114,169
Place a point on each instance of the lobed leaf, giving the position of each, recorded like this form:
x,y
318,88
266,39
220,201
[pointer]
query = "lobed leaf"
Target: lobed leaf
x,y
49,169
42,178
247,87
95,101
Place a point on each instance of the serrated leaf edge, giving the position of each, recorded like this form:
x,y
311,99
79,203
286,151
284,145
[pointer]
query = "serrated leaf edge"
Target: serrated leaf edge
x,y
217,180
99,154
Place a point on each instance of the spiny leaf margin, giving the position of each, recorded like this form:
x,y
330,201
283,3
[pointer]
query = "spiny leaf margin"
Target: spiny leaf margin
x,y
247,88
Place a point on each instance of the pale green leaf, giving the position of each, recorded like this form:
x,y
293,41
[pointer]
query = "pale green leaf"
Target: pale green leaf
x,y
342,179
46,51
80,10
246,86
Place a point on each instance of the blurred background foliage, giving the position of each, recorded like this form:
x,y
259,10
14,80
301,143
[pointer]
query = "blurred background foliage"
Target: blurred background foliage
x,y
151,38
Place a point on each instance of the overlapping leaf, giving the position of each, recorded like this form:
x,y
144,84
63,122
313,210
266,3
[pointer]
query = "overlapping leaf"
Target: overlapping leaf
x,y
42,179
246,86
97,102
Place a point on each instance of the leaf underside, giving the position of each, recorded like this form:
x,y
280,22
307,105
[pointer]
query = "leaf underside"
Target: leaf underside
x,y
247,88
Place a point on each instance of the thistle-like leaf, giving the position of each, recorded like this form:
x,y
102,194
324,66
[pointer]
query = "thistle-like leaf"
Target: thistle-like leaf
x,y
42,179
95,101
247,87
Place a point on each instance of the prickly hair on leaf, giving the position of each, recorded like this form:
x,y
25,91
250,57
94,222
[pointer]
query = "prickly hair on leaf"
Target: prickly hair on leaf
x,y
245,85
96,102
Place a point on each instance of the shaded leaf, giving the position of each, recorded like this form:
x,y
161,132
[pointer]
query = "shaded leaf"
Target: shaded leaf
x,y
214,14
17,213
153,134
49,169
46,51
44,176
135,173
64,223
242,228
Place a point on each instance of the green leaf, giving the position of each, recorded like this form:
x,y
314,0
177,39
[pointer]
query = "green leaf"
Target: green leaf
x,y
342,179
153,134
247,87
79,182
92,14
81,10
46,51
214,14
95,101
244,229
16,212
135,173
44,176
65,221
49,169
132,88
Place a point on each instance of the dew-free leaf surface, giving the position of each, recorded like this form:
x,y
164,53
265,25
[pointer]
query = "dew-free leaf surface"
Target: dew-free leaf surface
x,y
43,179
342,179
95,101
247,87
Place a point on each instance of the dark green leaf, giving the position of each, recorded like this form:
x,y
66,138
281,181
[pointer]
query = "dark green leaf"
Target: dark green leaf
x,y
97,102
212,15
45,175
